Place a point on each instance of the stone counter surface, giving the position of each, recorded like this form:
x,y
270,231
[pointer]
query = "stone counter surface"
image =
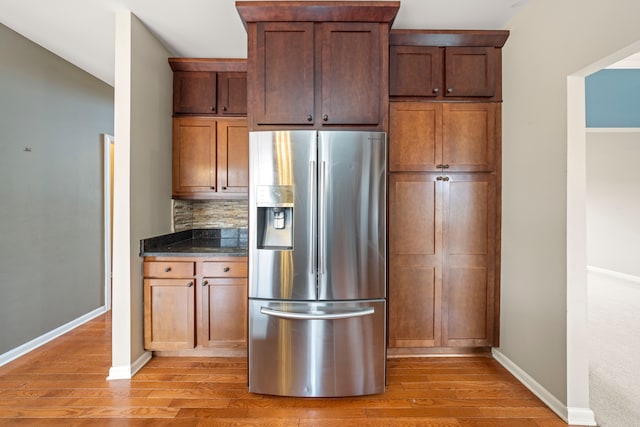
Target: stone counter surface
x,y
198,242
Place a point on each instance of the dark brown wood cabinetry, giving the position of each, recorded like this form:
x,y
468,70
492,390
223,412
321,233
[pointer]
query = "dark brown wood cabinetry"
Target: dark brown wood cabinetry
x,y
318,65
446,65
444,193
203,86
210,133
195,306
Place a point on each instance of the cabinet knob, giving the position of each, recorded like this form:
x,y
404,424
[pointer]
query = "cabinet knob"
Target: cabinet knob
x,y
224,188
205,283
167,269
436,90
309,118
226,269
445,178
439,178
450,90
213,188
439,166
446,166
224,108
212,108
325,118
190,284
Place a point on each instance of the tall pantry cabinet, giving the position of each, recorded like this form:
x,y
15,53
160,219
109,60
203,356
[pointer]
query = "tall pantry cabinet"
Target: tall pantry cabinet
x,y
444,190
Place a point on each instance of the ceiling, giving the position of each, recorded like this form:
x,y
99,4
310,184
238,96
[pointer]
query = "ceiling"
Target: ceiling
x,y
83,31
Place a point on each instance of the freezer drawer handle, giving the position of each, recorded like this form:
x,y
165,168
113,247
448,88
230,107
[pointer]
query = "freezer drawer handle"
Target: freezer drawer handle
x,y
314,316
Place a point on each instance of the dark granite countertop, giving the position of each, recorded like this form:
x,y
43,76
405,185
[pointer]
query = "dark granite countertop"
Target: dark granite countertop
x,y
198,242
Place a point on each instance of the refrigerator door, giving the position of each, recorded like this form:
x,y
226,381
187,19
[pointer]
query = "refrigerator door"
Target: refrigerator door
x,y
351,215
317,349
282,209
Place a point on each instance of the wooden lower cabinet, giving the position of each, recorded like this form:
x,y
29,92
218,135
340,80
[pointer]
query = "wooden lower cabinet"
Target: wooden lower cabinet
x,y
442,260
204,312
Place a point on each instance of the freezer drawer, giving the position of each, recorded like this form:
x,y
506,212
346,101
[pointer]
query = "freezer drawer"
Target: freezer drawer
x,y
317,349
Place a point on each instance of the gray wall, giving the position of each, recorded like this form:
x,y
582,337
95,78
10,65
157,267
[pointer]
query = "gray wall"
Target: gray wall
x,y
51,197
613,201
549,41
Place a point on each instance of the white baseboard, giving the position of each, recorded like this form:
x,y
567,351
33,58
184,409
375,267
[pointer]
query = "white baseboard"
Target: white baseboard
x,y
51,335
127,372
611,273
573,416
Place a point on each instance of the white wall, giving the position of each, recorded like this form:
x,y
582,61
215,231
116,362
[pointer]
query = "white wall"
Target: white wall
x,y
142,200
613,201
549,41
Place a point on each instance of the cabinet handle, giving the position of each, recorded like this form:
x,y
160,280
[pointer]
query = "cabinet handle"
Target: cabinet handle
x,y
439,166
205,283
309,118
450,90
325,118
167,269
439,178
190,284
436,90
226,269
446,166
445,178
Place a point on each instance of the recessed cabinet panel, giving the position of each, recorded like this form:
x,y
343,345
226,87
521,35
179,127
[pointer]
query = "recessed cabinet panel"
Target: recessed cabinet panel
x,y
415,136
415,71
233,157
194,92
468,226
469,137
351,69
285,73
466,308
232,94
470,71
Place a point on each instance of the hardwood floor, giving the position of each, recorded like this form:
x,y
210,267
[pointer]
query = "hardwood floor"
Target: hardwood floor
x,y
63,383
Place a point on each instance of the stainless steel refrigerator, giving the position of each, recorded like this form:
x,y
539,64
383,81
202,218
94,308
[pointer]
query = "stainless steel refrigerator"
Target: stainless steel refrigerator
x,y
317,278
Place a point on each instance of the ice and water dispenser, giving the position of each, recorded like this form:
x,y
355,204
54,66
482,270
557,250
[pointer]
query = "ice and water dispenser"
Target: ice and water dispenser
x,y
274,217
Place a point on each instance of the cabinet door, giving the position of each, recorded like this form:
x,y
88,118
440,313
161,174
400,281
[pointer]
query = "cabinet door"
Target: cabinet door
x,y
224,312
284,91
470,71
232,94
233,156
351,73
415,260
169,316
194,92
415,71
194,156
468,282
469,136
415,136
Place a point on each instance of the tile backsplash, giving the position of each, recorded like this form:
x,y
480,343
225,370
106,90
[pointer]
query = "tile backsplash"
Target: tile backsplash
x,y
192,214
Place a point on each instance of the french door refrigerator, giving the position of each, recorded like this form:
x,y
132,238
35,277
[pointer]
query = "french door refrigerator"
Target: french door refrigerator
x,y
317,277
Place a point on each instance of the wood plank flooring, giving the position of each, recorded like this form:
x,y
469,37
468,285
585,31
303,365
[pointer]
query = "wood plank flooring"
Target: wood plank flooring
x,y
63,383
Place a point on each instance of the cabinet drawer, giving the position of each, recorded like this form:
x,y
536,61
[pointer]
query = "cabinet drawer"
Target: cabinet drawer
x,y
169,269
224,269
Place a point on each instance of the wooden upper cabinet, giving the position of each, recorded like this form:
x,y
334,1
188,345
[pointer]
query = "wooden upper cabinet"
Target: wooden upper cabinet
x,y
233,157
446,64
318,64
429,136
209,87
232,94
194,92
284,77
351,73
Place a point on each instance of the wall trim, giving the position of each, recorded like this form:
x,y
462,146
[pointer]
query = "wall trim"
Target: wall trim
x,y
127,372
49,336
573,416
615,274
612,130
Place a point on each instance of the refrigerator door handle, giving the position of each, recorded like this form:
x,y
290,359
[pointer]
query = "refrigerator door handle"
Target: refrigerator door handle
x,y
322,219
316,316
313,183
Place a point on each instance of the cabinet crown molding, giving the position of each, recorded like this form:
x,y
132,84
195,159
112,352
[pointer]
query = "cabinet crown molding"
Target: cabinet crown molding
x,y
208,64
317,11
446,38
